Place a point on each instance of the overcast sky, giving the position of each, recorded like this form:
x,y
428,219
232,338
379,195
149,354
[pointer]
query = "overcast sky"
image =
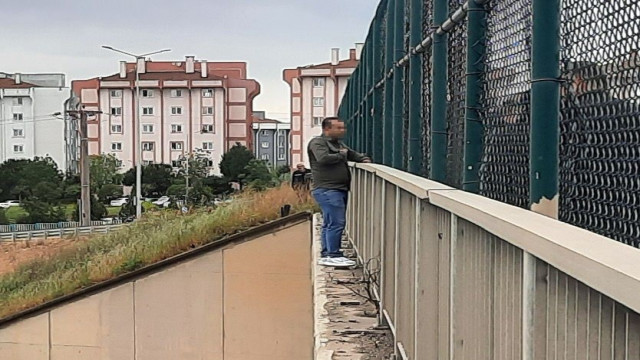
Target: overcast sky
x,y
270,35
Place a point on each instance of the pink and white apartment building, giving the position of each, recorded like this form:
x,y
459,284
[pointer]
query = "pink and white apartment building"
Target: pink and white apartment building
x,y
316,92
186,106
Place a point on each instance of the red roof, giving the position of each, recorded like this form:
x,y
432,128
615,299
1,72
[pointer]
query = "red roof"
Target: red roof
x,y
164,75
266,121
351,63
236,69
7,83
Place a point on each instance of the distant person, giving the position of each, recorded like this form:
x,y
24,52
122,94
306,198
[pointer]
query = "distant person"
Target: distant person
x,y
328,156
301,178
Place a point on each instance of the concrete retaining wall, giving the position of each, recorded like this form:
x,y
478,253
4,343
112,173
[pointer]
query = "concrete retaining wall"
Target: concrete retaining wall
x,y
247,301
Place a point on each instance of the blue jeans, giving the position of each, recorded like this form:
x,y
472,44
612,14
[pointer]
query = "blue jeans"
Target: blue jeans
x,y
334,211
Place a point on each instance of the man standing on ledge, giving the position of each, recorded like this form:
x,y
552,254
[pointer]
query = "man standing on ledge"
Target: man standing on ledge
x,y
331,182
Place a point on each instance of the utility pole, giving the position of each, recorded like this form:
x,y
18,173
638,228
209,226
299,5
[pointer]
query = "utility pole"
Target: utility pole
x,y
85,177
138,152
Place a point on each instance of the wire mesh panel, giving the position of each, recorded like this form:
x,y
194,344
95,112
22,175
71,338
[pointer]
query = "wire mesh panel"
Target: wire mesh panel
x,y
456,93
504,172
426,89
405,88
600,123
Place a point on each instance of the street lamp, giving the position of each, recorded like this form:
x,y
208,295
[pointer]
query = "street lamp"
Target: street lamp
x,y
138,154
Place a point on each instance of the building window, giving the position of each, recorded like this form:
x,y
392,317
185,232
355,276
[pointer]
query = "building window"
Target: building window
x,y
18,148
318,101
264,157
147,128
282,155
116,129
176,93
176,128
175,163
207,93
317,121
176,110
147,93
147,162
207,129
281,140
116,111
116,93
148,110
207,110
318,82
17,101
265,144
116,146
147,146
264,132
18,133
176,145
207,146
18,117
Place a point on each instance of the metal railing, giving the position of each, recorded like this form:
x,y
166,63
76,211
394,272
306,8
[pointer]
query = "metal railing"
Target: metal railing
x,y
49,233
535,103
50,226
467,277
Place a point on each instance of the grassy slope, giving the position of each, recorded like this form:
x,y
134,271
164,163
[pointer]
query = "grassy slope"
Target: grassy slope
x,y
157,236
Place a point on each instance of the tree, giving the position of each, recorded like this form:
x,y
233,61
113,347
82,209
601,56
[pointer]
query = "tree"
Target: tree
x,y
109,192
104,170
218,185
129,209
20,177
47,192
3,217
234,161
259,175
98,210
156,179
176,191
41,212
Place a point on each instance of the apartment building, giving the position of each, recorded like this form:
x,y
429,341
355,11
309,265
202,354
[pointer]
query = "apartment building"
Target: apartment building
x,y
185,106
316,92
271,140
31,117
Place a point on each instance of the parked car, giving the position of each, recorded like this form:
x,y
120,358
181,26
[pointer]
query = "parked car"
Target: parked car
x,y
162,201
218,201
9,203
119,202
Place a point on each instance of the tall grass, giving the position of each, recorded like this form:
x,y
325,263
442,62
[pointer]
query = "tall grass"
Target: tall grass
x,y
149,240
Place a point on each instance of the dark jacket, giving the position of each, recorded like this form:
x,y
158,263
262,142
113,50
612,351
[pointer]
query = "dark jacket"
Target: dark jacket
x,y
300,178
328,166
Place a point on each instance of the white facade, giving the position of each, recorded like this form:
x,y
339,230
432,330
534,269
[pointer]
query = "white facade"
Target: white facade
x,y
28,127
316,92
168,117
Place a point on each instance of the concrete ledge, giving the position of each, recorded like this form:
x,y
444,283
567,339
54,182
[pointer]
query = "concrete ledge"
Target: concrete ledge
x,y
346,326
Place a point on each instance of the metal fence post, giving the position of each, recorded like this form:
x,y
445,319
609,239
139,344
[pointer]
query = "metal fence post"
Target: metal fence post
x,y
473,141
545,107
544,152
415,91
439,95
377,92
387,156
398,92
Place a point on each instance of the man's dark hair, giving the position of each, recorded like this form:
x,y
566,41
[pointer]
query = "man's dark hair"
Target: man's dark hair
x,y
327,122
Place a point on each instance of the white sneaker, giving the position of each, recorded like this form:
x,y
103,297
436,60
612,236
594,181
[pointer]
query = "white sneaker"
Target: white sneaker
x,y
336,262
345,260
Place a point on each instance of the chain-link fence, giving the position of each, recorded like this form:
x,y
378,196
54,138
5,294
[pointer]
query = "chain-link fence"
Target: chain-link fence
x,y
504,172
600,123
598,177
